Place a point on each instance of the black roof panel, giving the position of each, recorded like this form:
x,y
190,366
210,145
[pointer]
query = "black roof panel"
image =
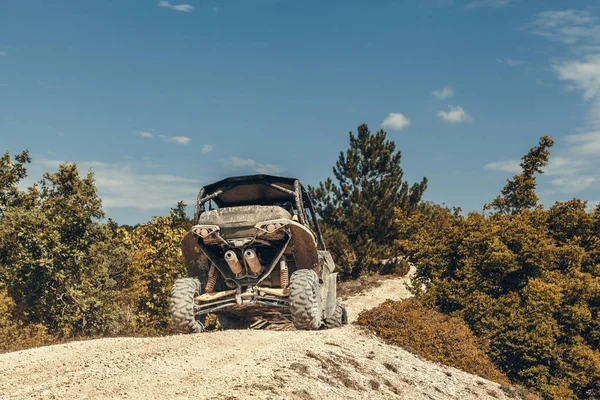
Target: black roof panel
x,y
251,190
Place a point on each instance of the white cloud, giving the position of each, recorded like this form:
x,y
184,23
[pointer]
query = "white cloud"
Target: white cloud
x,y
489,3
146,135
395,121
443,93
207,148
123,185
3,54
584,74
573,184
175,139
455,115
512,166
177,7
217,10
251,165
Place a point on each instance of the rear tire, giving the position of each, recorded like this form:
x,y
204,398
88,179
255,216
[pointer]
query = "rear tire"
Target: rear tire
x,y
339,317
182,306
305,299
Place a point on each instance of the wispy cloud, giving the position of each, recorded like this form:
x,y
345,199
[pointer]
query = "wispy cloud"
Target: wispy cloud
x,y
489,3
511,166
3,54
146,135
207,148
124,185
584,144
48,86
579,30
557,166
251,165
510,62
177,7
564,166
455,115
566,26
395,121
570,174
543,83
571,184
443,93
176,139
217,10
573,169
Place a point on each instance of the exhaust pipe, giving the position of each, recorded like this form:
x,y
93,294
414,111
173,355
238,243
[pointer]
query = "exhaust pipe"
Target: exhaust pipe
x,y
233,262
253,262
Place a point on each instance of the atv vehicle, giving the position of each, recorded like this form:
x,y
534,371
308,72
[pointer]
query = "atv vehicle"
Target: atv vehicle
x,y
257,251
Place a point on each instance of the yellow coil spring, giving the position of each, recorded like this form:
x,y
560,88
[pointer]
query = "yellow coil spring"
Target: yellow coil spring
x,y
212,280
283,275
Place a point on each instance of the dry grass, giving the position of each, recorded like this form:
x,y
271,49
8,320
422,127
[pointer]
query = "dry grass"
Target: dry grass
x,y
432,335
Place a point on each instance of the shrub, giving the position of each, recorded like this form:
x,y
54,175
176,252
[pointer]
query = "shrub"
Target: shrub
x,y
16,336
58,263
529,283
432,335
154,266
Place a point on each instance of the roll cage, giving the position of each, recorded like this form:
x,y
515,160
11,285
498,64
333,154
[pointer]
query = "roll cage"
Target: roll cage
x,y
261,190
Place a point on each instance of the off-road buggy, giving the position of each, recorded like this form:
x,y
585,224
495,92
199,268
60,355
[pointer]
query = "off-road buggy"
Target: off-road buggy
x,y
256,252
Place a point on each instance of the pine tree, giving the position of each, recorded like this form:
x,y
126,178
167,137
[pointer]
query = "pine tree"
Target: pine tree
x,y
519,192
11,173
369,189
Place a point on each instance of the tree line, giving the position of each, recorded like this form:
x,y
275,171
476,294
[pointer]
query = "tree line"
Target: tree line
x,y
524,280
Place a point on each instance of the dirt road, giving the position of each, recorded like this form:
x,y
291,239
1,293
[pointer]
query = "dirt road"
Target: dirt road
x,y
344,363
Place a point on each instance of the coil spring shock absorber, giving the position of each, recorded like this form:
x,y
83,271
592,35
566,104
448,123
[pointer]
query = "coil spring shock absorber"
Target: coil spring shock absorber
x,y
212,279
283,274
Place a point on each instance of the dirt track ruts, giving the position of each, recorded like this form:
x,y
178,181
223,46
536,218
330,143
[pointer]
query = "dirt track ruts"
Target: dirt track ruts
x,y
344,363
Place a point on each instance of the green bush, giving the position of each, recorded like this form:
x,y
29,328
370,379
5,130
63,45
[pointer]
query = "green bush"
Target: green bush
x,y
59,265
15,335
529,283
524,278
66,274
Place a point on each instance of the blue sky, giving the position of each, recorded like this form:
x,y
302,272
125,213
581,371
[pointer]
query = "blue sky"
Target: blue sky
x,y
159,98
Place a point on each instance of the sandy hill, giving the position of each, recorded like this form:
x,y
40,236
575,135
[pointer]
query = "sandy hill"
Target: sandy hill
x,y
345,363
